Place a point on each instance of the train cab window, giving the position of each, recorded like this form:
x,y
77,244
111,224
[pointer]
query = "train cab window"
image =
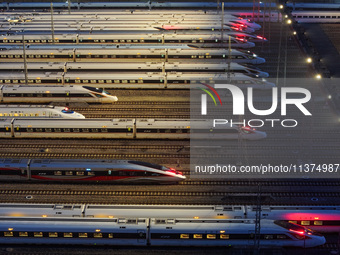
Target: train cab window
x,y
82,235
23,234
68,235
8,233
293,221
52,234
38,234
184,236
268,237
281,237
318,222
211,236
305,222
68,173
198,236
224,236
97,235
80,173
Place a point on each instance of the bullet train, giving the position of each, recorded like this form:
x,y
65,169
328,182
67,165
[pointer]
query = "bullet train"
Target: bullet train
x,y
154,232
87,170
38,111
199,40
129,53
151,80
324,219
318,16
137,67
123,129
53,93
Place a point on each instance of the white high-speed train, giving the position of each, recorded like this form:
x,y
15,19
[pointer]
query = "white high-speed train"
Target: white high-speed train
x,y
53,93
158,231
38,111
123,129
152,80
319,218
129,53
200,40
137,67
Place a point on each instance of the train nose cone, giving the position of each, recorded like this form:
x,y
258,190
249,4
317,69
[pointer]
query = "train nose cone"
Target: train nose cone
x,y
115,98
260,60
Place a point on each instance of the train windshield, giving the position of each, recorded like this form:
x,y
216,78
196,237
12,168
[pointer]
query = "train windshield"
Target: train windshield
x,y
98,90
159,167
289,226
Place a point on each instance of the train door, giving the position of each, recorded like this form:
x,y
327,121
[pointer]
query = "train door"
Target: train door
x,y
17,130
7,130
67,96
129,130
251,237
141,236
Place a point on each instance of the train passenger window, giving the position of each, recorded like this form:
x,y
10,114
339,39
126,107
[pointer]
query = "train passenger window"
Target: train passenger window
x,y
57,130
305,222
43,41
75,130
38,234
115,41
17,56
7,81
128,41
224,236
116,81
85,130
102,40
91,174
108,81
57,173
29,129
328,17
318,222
135,41
124,81
93,81
122,41
80,173
184,236
8,233
200,56
15,81
198,236
193,56
68,173
52,234
66,129
110,235
333,17
281,237
82,235
68,235
142,40
132,81
305,17
322,17
85,81
317,17
98,235
211,236
100,81
94,130
77,81
268,237
23,234
104,130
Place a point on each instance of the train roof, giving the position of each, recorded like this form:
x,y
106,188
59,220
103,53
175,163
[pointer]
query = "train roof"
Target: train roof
x,y
120,66
150,49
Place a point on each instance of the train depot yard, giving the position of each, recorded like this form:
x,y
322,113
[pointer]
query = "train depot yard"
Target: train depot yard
x,y
103,117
